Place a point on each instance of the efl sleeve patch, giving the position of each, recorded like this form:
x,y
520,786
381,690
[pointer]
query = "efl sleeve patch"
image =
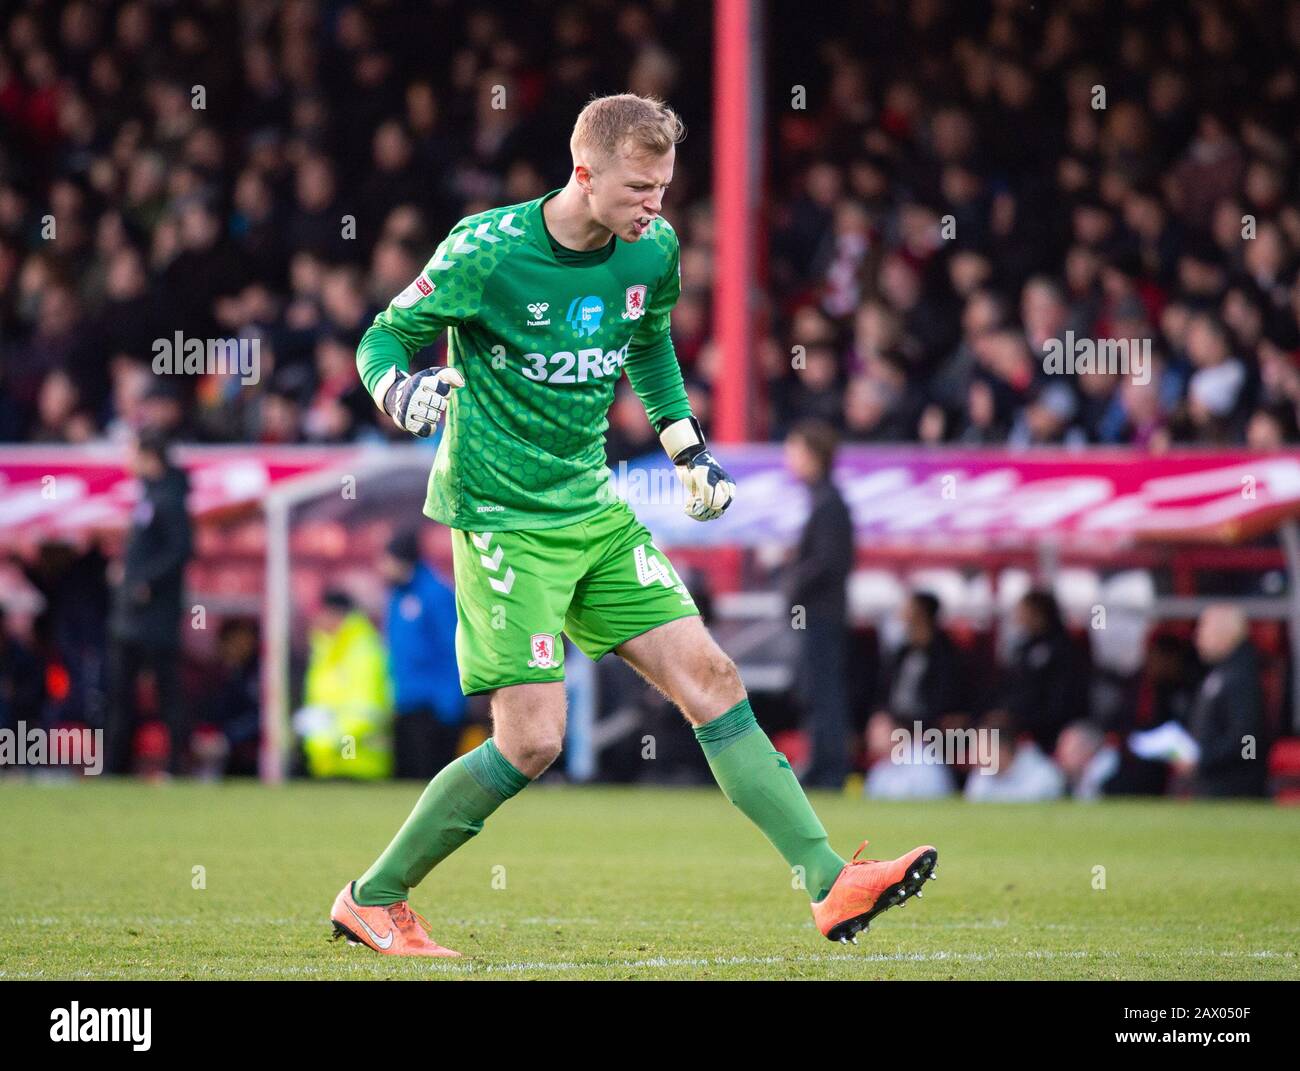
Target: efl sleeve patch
x,y
419,289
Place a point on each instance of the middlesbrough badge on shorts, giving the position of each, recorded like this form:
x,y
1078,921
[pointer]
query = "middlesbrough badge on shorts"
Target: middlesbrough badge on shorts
x,y
542,648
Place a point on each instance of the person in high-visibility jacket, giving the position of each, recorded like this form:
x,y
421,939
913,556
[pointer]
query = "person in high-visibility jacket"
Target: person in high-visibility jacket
x,y
347,715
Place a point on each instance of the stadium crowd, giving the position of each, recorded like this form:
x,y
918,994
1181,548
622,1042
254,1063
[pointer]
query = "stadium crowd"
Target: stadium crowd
x,y
954,186
979,180
267,171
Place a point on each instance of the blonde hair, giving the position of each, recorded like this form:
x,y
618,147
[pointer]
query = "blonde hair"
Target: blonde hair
x,y
643,124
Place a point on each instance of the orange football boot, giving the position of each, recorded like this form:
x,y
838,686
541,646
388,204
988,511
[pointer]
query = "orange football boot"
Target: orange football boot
x,y
866,887
393,929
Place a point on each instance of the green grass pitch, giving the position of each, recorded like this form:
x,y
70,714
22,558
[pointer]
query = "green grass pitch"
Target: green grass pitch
x,y
97,881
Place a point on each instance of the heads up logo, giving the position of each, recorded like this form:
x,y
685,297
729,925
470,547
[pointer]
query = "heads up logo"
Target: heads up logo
x,y
584,315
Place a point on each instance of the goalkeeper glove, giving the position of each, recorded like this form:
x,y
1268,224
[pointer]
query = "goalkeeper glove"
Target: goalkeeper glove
x,y
416,403
709,490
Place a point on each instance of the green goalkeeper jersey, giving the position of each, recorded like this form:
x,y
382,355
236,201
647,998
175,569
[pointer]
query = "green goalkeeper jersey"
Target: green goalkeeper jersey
x,y
541,343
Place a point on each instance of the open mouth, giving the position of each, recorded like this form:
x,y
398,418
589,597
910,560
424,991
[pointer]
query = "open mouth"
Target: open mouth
x,y
642,224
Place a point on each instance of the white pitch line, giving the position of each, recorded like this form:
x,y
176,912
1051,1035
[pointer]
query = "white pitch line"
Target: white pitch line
x,y
362,966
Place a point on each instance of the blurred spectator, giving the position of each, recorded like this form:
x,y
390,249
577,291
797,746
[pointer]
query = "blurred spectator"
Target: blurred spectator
x,y
816,588
70,632
21,691
1017,771
340,406
428,704
898,767
1087,759
233,698
1169,682
145,624
1227,716
347,697
922,681
1097,764
1044,688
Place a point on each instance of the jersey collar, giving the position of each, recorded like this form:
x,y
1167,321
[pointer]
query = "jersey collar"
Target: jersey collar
x,y
541,234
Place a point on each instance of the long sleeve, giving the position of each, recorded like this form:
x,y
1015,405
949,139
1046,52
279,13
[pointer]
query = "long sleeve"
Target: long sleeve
x,y
443,294
651,362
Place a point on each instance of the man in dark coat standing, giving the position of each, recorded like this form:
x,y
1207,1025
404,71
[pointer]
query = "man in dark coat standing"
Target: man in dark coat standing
x,y
817,589
1227,717
146,618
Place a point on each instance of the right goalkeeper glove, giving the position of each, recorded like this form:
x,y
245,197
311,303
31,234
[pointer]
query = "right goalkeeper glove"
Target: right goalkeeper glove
x,y
416,403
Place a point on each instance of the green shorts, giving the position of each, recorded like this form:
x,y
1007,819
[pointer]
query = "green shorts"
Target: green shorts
x,y
600,581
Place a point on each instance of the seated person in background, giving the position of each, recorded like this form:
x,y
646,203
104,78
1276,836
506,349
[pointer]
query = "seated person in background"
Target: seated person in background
x,y
22,684
1227,716
899,765
1098,764
921,681
1169,682
1046,683
234,699
1022,772
348,701
920,685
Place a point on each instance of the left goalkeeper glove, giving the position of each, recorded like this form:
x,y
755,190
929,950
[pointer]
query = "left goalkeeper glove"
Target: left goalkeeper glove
x,y
709,490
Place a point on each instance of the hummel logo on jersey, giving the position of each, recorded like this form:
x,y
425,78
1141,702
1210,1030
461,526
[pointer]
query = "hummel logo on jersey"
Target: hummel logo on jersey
x,y
635,302
538,309
584,315
542,648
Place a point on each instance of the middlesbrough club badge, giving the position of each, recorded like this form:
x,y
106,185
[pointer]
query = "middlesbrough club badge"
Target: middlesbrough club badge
x,y
634,302
542,647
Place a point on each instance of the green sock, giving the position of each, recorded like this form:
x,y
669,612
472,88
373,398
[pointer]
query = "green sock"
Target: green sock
x,y
451,810
758,779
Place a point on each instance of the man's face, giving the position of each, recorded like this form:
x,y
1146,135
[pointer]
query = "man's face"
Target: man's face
x,y
914,617
627,191
330,618
395,570
143,464
801,461
1217,634
1026,619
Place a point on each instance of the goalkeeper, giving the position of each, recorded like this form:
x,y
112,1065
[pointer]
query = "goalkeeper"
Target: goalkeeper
x,y
546,304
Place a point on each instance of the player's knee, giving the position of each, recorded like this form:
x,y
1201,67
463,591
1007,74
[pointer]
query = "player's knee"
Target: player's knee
x,y
723,672
717,681
535,753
